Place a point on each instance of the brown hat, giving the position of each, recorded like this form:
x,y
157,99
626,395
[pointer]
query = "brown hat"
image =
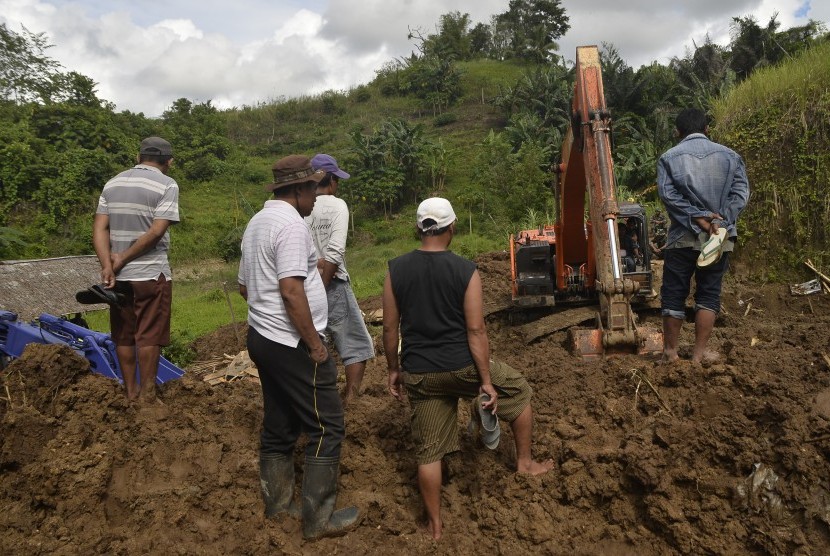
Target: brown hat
x,y
292,169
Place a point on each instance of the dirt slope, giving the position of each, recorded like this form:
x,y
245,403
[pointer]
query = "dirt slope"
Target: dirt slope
x,y
82,472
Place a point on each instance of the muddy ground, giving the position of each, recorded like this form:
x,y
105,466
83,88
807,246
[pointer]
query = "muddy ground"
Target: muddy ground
x,y
731,457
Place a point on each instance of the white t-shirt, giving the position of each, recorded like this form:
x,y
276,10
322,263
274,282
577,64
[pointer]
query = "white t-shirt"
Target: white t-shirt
x,y
329,223
277,244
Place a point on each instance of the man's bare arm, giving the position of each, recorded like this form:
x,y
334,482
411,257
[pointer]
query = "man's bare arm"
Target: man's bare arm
x,y
477,336
144,243
327,271
293,295
101,243
391,321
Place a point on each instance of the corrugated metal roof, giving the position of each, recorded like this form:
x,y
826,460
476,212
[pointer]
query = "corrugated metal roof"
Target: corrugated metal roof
x,y
36,286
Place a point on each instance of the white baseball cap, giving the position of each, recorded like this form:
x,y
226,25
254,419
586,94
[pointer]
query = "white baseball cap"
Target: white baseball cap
x,y
435,213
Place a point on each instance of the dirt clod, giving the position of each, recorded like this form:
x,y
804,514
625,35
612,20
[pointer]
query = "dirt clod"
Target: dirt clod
x,y
82,471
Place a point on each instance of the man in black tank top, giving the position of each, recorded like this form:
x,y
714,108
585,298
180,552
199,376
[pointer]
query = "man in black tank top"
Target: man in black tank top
x,y
435,298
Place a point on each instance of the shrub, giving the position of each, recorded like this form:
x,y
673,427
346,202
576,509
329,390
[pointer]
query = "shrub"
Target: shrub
x,y
445,119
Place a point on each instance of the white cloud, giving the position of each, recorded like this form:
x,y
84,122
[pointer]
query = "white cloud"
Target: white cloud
x,y
255,50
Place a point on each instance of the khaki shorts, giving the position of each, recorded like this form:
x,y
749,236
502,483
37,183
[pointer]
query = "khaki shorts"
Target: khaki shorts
x,y
434,400
143,319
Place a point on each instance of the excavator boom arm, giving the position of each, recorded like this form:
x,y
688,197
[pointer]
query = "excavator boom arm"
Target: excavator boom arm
x,y
588,169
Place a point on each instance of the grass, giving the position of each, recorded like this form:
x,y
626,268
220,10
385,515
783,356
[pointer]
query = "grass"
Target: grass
x,y
200,305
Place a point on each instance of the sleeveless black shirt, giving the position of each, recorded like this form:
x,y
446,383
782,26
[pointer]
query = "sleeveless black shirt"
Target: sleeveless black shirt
x,y
429,288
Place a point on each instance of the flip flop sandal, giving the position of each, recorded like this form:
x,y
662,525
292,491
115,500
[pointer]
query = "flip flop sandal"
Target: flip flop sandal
x,y
97,294
712,249
490,428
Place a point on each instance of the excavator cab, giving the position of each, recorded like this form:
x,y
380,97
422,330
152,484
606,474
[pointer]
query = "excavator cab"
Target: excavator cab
x,y
636,259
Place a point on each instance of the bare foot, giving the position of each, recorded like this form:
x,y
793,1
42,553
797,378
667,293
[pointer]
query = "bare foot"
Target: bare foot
x,y
148,396
670,357
534,467
349,395
707,356
433,530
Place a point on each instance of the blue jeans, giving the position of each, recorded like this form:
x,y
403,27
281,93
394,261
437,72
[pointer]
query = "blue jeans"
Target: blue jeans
x,y
678,268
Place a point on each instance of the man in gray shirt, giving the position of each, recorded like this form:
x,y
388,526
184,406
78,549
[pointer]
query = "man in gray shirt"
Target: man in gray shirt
x,y
131,238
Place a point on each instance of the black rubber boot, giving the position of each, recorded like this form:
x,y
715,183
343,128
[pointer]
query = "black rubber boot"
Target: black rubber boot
x,y
319,497
276,478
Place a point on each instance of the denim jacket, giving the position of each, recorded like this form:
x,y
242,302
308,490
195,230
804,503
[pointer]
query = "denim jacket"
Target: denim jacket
x,y
696,178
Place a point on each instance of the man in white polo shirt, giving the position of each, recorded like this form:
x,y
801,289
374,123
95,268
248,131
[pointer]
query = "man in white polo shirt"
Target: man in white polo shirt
x,y
287,317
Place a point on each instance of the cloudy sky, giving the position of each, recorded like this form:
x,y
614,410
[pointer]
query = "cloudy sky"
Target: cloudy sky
x,y
144,55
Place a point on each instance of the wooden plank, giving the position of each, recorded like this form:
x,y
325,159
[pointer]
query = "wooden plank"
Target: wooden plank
x,y
214,375
496,306
555,322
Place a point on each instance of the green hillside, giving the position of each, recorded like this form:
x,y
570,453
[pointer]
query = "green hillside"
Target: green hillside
x,y
480,125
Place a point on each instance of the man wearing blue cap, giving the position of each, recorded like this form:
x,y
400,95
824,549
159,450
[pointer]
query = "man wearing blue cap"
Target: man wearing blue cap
x,y
329,223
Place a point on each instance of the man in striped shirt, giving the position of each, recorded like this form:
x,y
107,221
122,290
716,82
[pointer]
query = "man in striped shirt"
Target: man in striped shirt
x,y
131,238
287,317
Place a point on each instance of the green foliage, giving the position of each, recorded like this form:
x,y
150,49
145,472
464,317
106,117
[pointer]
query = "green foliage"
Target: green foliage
x,y
531,28
10,238
361,93
506,184
778,121
179,351
391,164
446,118
27,74
754,47
538,107
198,134
453,38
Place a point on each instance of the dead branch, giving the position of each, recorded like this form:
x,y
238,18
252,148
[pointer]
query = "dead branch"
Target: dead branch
x,y
636,373
812,267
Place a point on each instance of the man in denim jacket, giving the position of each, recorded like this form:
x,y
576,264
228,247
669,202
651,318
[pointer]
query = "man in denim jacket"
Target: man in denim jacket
x,y
704,187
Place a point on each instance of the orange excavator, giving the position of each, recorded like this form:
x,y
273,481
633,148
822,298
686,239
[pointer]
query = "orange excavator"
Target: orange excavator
x,y
581,260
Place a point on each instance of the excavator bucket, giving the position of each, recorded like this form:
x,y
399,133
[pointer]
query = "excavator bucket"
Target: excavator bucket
x,y
590,343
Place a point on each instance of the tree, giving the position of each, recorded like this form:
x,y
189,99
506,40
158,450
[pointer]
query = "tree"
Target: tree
x,y
453,38
538,107
480,38
27,74
618,80
752,46
533,27
199,137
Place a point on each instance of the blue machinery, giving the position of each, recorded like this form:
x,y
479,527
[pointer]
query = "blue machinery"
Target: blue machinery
x,y
96,347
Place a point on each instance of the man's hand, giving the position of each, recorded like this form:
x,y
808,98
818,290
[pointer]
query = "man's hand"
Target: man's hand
x,y
492,405
108,277
396,384
319,354
117,262
709,224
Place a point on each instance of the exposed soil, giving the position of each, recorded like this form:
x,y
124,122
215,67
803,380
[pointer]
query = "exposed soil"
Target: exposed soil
x,y
83,472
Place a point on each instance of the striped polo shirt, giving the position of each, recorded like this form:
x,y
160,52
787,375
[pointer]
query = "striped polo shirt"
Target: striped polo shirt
x,y
132,200
277,244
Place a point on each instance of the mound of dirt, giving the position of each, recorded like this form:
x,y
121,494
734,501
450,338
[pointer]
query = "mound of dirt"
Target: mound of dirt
x,y
729,457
